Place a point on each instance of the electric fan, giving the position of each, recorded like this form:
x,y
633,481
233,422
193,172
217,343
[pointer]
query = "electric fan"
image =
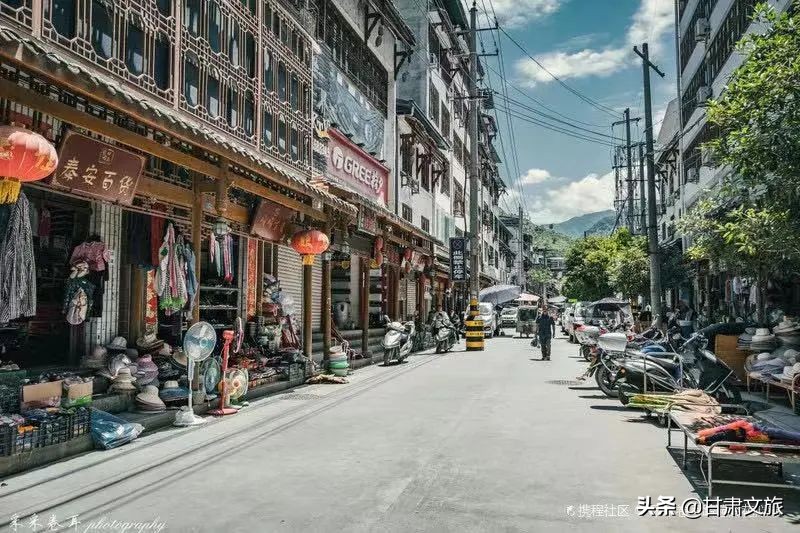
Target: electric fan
x,y
230,338
237,380
198,344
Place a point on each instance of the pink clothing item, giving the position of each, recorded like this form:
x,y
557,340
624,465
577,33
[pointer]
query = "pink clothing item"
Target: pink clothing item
x,y
94,253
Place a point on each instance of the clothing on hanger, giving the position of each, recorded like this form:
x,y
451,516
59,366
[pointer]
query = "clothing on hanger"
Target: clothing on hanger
x,y
17,262
93,251
139,240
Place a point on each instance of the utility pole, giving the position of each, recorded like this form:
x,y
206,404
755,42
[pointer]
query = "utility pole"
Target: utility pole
x,y
474,174
521,266
642,194
652,230
630,171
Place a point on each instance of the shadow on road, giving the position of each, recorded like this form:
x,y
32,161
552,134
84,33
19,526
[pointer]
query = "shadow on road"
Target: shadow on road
x,y
597,397
609,408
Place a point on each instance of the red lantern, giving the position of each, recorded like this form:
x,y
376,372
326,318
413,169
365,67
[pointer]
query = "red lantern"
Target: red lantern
x,y
379,259
310,243
24,156
379,243
407,254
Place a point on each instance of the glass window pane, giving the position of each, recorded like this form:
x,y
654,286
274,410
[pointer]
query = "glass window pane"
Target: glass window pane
x,y
282,81
134,53
294,92
249,113
267,126
282,136
190,83
233,108
214,28
295,145
250,55
212,96
63,17
191,16
102,30
162,67
233,48
165,7
269,72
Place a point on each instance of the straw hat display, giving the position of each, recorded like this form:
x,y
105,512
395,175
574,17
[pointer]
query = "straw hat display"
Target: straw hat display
x,y
123,382
149,343
789,372
763,340
147,370
788,332
172,392
118,344
148,399
179,359
746,338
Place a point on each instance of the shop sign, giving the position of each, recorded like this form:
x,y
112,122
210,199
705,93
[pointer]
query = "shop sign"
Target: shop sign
x,y
97,169
367,221
351,166
458,259
269,221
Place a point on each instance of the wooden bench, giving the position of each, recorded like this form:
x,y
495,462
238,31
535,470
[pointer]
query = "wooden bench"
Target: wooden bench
x,y
692,423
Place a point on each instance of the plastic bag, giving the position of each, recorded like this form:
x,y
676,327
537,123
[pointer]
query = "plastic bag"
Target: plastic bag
x,y
109,431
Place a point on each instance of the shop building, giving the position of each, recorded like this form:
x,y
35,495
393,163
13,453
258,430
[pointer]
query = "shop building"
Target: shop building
x,y
184,133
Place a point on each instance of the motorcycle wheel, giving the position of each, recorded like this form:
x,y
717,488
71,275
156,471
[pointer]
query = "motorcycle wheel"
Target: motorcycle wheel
x,y
623,398
586,353
603,378
387,356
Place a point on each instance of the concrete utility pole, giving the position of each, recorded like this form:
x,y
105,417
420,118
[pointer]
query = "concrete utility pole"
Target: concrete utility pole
x,y
630,168
642,194
520,259
474,169
652,229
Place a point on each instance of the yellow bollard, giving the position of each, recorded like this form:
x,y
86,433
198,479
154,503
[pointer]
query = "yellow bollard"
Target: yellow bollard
x,y
474,328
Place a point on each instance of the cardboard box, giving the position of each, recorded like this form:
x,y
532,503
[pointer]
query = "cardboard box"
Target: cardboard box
x,y
79,390
42,392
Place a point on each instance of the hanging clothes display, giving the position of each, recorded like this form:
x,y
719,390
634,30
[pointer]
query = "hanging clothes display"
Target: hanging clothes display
x,y
96,255
79,293
139,240
171,282
157,225
215,254
189,259
227,258
17,262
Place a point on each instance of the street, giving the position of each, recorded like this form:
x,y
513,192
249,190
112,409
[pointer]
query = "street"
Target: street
x,y
480,441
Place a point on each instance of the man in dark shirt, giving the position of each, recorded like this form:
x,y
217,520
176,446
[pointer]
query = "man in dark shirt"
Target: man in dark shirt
x,y
546,330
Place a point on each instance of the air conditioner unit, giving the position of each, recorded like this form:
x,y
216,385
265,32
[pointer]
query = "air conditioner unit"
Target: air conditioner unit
x,y
707,158
692,175
703,94
702,29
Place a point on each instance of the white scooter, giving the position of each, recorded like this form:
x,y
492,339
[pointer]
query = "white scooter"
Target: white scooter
x,y
445,335
398,340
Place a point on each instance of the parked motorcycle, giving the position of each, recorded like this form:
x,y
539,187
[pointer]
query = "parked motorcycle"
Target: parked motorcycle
x,y
445,335
587,336
693,366
398,340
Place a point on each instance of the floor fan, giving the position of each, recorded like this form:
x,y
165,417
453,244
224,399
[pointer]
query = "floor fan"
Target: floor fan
x,y
198,345
229,337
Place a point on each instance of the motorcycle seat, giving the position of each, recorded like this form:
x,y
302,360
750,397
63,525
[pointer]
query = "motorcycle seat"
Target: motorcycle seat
x,y
667,364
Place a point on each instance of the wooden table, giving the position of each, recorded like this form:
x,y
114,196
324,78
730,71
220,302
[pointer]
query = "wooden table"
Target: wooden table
x,y
692,423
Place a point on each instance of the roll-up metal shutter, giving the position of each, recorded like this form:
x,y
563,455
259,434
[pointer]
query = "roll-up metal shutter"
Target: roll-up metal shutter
x,y
316,294
411,296
290,274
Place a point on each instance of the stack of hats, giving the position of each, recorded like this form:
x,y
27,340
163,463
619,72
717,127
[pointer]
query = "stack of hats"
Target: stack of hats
x,y
746,338
179,360
117,345
147,370
763,341
788,332
338,363
148,399
765,364
149,343
173,393
789,373
123,381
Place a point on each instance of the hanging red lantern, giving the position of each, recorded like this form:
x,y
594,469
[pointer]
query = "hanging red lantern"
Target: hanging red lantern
x,y
408,253
24,156
309,243
379,243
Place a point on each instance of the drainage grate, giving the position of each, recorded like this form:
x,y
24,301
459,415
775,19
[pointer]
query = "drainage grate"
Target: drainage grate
x,y
564,382
299,396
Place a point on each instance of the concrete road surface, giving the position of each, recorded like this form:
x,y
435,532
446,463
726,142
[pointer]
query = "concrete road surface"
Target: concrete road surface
x,y
481,441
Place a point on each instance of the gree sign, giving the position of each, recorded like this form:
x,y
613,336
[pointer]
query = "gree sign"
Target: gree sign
x,y
356,169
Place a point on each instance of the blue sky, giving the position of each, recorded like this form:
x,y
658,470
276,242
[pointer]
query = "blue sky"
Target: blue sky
x,y
588,44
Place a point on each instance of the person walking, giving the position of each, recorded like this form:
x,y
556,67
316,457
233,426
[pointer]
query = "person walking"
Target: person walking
x,y
546,330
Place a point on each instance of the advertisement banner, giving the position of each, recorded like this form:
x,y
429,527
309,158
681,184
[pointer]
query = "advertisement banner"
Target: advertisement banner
x,y
356,169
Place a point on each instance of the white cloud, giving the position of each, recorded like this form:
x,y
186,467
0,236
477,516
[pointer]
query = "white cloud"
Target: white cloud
x,y
652,20
517,13
587,195
534,176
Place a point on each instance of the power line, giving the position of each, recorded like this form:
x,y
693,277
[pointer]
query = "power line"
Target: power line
x,y
591,102
533,120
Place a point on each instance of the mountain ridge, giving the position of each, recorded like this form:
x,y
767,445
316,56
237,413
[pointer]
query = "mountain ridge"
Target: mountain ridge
x,y
589,222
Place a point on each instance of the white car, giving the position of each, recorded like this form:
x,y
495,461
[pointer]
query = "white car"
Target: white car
x,y
486,313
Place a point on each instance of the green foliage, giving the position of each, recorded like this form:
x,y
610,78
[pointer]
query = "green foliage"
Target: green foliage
x,y
539,275
545,238
597,266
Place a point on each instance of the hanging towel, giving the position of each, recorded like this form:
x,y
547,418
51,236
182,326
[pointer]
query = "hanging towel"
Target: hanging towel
x,y
171,283
17,264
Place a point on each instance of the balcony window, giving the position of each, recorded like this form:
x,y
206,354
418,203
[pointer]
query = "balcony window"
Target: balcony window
x,y
267,128
282,136
191,78
267,15
233,108
251,5
63,17
212,97
250,55
295,145
276,24
215,28
164,7
269,72
294,92
249,114
163,63
102,30
134,49
191,16
282,92
233,45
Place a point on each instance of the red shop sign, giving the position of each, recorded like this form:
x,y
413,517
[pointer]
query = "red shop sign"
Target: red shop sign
x,y
269,221
355,168
97,169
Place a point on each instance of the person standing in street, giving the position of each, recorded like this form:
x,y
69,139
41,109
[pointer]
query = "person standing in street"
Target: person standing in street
x,y
546,330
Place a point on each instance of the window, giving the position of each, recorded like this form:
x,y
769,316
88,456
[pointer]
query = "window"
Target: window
x,y
250,55
445,188
433,104
214,27
212,97
233,108
163,63
295,145
282,136
191,78
445,123
267,13
191,16
408,214
164,7
233,45
282,81
425,173
266,129
63,17
295,89
249,113
269,72
276,24
102,30
134,49
425,224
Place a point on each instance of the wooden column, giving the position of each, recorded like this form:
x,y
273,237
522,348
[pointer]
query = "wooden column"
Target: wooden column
x,y
197,240
307,334
326,308
364,318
